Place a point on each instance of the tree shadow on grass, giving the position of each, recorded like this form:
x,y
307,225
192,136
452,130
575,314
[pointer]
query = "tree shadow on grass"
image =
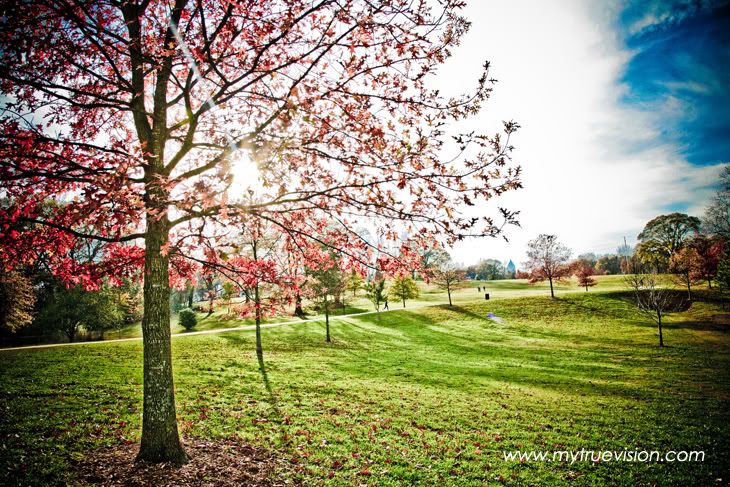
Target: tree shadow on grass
x,y
275,416
712,326
436,358
418,349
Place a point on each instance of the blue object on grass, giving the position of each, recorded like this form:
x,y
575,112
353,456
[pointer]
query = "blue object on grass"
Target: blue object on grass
x,y
495,318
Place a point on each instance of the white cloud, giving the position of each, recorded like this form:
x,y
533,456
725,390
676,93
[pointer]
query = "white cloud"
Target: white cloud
x,y
594,170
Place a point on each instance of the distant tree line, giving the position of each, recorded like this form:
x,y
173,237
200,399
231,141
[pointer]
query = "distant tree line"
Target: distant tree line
x,y
683,248
489,270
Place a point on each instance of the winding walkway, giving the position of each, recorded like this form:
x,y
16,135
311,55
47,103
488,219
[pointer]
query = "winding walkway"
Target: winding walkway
x,y
216,330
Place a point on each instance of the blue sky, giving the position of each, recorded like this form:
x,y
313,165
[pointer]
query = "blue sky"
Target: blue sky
x,y
680,67
624,107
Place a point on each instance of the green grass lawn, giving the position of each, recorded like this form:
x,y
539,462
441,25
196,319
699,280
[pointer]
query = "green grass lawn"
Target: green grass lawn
x,y
431,395
430,294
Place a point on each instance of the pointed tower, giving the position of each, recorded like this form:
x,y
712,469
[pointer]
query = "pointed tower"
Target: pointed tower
x,y
511,269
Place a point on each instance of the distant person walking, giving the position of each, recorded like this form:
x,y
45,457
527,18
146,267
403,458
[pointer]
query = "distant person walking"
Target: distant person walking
x,y
385,306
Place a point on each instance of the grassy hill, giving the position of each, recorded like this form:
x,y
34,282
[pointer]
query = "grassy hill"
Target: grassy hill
x,y
428,395
430,294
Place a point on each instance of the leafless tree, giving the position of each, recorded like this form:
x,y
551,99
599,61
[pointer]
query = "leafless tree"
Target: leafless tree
x,y
652,297
547,259
449,277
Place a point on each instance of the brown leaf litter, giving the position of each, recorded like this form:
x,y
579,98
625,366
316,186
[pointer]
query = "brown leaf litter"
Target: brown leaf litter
x,y
212,463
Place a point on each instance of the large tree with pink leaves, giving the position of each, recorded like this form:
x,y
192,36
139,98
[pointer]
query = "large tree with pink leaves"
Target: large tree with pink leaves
x,y
133,117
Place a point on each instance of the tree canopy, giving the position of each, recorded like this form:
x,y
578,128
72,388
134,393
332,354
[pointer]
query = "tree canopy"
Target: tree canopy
x,y
547,259
161,127
664,235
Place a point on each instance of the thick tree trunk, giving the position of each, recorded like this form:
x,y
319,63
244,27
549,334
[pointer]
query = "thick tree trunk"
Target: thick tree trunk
x,y
160,439
709,283
298,311
448,291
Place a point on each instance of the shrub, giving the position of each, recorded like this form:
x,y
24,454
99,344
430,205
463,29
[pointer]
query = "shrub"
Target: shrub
x,y
188,319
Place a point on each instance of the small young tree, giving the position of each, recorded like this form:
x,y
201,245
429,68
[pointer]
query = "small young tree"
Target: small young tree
x,y
229,292
209,278
354,282
547,259
449,277
130,301
188,320
584,272
682,265
654,299
327,281
375,292
403,288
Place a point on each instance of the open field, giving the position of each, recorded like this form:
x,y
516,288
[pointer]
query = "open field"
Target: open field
x,y
430,294
429,395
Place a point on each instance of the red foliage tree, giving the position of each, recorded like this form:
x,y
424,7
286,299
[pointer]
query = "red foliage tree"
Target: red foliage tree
x,y
683,264
709,252
584,272
134,116
547,259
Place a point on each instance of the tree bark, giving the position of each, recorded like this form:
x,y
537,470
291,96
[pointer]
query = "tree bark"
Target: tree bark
x,y
160,439
257,304
661,337
298,311
327,318
71,333
552,294
448,291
